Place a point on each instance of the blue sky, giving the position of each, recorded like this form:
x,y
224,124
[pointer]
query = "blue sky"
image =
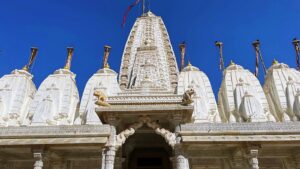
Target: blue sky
x,y
53,25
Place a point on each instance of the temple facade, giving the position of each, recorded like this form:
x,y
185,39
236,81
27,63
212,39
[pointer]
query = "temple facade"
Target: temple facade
x,y
150,115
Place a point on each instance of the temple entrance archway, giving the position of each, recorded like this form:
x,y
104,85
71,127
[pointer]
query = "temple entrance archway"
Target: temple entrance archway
x,y
146,150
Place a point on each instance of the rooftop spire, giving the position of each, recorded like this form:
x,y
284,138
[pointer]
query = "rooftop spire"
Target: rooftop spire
x,y
69,58
182,52
106,55
143,7
31,60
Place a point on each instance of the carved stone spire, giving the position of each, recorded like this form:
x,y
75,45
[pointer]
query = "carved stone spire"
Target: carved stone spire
x,y
147,43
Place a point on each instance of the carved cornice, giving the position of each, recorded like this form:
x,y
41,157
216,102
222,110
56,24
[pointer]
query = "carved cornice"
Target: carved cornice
x,y
144,99
54,131
240,128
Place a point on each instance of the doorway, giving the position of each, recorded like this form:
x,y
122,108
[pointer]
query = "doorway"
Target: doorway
x,y
149,158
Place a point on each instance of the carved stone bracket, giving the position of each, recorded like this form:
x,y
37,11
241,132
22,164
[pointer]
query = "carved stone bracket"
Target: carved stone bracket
x,y
166,134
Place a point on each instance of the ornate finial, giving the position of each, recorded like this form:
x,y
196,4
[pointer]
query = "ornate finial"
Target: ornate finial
x,y
218,43
258,56
256,43
31,60
182,52
274,62
107,66
220,46
189,63
106,54
296,41
231,62
69,58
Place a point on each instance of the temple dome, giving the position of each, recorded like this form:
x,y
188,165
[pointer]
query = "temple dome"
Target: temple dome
x,y
281,86
56,100
104,80
241,97
205,107
16,93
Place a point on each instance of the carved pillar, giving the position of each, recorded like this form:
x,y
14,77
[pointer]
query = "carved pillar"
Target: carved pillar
x,y
181,160
237,160
119,159
38,157
103,158
252,155
110,157
110,150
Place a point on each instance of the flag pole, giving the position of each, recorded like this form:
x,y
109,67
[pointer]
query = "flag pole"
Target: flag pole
x,y
256,45
220,46
296,45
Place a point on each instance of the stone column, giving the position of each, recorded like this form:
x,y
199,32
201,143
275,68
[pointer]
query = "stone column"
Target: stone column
x,y
253,158
110,149
38,157
119,159
237,160
110,157
181,160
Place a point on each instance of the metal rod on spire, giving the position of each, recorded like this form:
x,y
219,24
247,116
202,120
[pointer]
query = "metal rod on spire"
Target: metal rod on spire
x,y
297,49
220,46
106,55
256,45
182,48
143,7
27,67
69,58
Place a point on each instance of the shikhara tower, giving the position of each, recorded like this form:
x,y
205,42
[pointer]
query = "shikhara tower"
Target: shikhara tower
x,y
150,115
149,54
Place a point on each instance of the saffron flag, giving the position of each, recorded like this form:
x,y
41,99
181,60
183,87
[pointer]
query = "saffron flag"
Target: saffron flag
x,y
127,11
